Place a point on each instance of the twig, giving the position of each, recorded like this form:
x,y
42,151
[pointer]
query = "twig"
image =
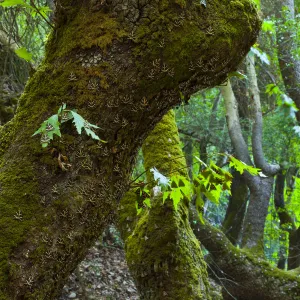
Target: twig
x,y
38,11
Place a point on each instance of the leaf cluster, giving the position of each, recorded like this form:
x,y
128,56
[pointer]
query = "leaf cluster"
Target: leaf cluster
x,y
51,126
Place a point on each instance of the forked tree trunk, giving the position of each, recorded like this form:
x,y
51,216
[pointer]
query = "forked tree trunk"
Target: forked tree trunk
x,y
122,67
260,186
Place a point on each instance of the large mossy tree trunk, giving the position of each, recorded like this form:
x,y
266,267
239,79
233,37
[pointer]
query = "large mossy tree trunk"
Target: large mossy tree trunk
x,y
121,67
162,252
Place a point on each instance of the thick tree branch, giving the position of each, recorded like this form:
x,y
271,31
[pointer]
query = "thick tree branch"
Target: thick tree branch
x,y
247,277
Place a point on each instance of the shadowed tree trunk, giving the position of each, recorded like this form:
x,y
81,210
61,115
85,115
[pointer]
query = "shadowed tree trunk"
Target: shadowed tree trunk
x,y
286,220
188,152
294,249
235,213
121,67
14,73
284,11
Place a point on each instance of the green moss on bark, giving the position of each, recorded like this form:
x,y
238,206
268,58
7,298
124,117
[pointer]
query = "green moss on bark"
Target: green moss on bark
x,y
162,252
29,173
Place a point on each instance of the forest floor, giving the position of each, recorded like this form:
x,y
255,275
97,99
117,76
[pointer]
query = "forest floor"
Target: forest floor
x,y
102,275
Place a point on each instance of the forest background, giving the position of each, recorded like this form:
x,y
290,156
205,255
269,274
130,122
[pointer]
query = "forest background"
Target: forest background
x,y
251,118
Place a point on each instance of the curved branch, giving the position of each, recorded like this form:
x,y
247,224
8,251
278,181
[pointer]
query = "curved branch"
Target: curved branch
x,y
250,277
258,154
233,123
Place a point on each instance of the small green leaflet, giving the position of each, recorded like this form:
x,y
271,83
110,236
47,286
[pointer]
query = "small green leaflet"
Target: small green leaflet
x,y
52,125
23,53
78,120
48,129
211,182
8,3
43,10
200,207
147,202
242,167
80,123
273,89
179,188
268,25
237,74
139,209
143,199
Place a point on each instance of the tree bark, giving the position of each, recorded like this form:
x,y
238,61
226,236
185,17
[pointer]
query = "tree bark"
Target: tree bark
x,y
14,73
257,134
162,252
294,249
260,187
284,11
235,213
188,152
245,276
120,66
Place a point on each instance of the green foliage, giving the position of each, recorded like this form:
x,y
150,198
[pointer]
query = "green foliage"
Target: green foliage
x,y
51,126
43,10
212,181
178,189
293,206
272,233
9,3
143,196
285,147
175,188
23,53
242,167
237,74
26,24
268,26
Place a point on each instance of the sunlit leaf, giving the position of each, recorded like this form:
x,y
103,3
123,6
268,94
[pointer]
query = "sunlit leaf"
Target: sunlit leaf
x,y
268,25
23,53
147,202
91,133
242,167
8,3
237,74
